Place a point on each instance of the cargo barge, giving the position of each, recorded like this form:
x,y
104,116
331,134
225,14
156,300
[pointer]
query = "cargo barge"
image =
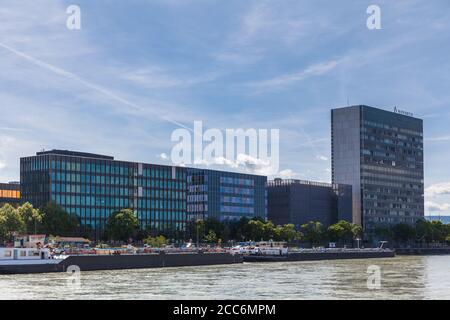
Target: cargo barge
x,y
39,261
322,255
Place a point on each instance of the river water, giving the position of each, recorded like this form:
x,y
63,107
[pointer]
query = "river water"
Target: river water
x,y
416,277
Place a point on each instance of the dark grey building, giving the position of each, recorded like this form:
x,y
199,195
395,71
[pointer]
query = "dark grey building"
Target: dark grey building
x,y
299,202
379,153
225,195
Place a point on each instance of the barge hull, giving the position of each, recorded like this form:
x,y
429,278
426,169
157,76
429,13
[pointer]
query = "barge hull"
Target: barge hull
x,y
315,256
117,262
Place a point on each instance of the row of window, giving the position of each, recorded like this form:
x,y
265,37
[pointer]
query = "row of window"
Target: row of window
x,y
111,180
12,194
237,181
118,202
237,200
115,191
235,190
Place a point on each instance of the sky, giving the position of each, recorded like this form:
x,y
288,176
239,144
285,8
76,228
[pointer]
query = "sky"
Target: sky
x,y
139,69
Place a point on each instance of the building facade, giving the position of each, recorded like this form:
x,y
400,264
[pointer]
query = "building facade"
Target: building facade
x,y
94,186
165,198
379,153
299,202
225,195
10,193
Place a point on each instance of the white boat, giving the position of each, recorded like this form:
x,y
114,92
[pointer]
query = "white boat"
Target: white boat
x,y
24,256
273,248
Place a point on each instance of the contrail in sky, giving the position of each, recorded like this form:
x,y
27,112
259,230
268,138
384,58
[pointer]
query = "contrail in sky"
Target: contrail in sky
x,y
93,86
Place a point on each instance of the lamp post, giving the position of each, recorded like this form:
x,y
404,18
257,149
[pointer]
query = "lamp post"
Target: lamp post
x,y
198,236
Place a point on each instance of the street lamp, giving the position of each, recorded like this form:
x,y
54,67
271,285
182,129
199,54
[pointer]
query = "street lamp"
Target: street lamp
x,y
198,227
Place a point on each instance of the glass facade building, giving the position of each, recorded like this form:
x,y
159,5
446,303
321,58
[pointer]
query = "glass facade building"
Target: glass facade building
x,y
225,195
164,198
298,202
94,186
10,193
379,153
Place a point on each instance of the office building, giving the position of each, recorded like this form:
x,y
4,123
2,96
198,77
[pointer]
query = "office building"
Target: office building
x,y
94,186
225,195
299,202
10,193
165,198
379,153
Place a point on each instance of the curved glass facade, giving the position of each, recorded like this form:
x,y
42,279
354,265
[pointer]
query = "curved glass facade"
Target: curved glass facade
x,y
93,187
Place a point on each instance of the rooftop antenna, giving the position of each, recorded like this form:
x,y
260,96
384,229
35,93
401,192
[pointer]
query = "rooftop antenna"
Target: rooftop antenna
x,y
348,102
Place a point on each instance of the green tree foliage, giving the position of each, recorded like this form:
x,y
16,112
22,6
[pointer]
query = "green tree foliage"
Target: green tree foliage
x,y
431,231
122,225
211,237
10,221
32,217
341,231
312,232
156,242
242,230
56,221
383,232
344,231
287,233
403,232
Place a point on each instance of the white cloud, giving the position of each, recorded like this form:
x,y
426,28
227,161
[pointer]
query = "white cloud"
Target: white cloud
x,y
438,189
287,174
290,78
436,207
322,157
243,162
164,156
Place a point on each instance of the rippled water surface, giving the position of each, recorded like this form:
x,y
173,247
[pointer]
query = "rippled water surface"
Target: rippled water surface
x,y
402,278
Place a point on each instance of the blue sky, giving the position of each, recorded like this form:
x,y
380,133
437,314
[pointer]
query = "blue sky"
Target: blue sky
x,y
111,86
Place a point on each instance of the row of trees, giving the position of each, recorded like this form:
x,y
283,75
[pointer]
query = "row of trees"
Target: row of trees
x,y
423,232
124,225
50,219
212,230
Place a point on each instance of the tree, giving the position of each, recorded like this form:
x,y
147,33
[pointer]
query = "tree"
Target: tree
x,y
423,231
312,232
56,221
383,232
31,216
122,225
287,233
211,237
255,230
357,231
403,232
10,221
241,230
340,231
156,242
